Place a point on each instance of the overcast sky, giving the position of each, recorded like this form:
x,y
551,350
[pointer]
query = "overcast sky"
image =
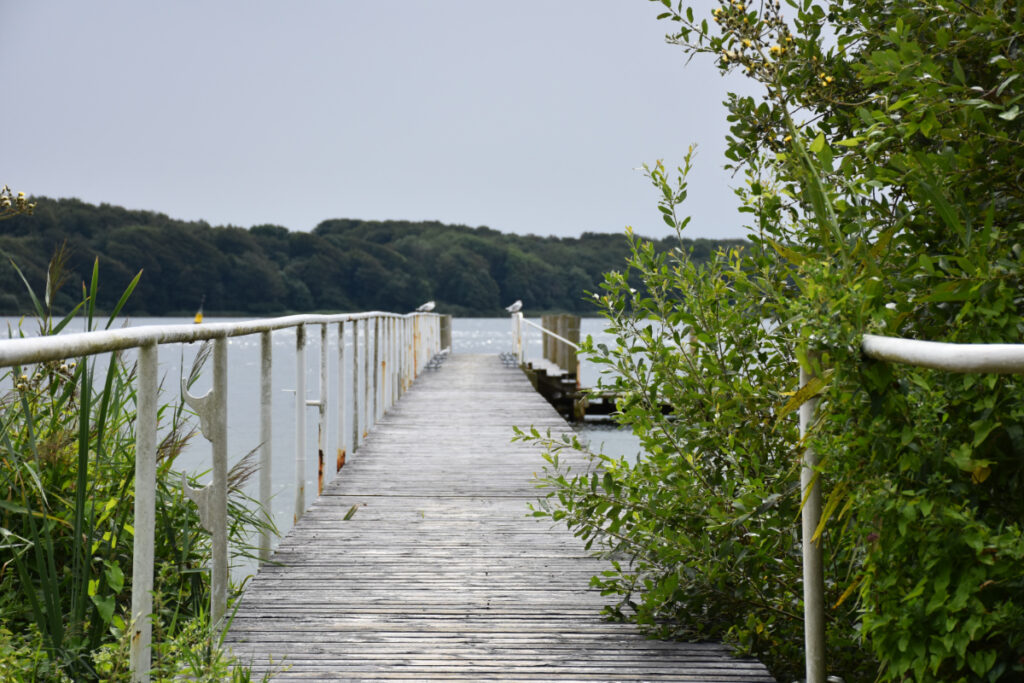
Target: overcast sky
x,y
526,116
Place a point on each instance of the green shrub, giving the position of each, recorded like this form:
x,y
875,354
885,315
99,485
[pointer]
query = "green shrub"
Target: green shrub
x,y
67,468
881,173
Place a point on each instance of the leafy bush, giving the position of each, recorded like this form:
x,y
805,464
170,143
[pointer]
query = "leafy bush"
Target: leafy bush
x,y
882,175
67,464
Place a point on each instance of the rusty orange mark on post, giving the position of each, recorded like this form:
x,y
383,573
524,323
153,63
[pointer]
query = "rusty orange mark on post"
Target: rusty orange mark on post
x,y
320,473
341,459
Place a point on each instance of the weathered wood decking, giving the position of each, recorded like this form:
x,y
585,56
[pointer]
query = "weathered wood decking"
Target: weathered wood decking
x,y
440,575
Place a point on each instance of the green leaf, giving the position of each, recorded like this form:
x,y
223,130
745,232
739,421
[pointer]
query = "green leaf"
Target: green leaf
x,y
792,256
899,104
36,303
1006,82
105,607
124,298
1010,114
958,72
818,144
115,577
808,391
942,206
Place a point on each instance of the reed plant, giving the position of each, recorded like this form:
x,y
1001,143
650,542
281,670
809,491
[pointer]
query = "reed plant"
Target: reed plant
x,y
67,462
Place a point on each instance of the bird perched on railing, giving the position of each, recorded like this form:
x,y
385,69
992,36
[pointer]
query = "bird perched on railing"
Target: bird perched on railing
x,y
515,307
199,314
426,308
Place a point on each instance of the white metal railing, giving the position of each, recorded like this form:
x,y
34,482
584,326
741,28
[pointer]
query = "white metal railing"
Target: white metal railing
x,y
393,355
963,358
519,335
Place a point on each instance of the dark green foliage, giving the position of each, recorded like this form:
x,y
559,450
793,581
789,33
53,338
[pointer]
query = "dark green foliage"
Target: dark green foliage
x,y
67,473
883,170
701,532
343,265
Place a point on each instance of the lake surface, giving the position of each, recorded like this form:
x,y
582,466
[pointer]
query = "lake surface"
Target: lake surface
x,y
469,335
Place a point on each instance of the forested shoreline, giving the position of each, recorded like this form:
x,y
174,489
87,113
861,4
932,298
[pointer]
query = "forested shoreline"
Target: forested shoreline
x,y
342,265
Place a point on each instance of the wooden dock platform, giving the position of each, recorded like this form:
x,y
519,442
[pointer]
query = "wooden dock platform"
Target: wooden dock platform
x,y
440,574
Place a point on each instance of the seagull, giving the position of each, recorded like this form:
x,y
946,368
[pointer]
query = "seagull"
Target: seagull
x,y
426,308
516,307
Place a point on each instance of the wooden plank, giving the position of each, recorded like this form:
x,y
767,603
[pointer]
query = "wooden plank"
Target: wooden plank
x,y
441,574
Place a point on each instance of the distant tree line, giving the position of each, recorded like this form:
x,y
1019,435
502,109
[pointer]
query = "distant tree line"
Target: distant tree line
x,y
342,265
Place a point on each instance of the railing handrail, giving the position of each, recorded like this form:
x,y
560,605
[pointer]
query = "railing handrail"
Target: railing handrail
x,y
952,357
947,356
67,345
401,348
551,334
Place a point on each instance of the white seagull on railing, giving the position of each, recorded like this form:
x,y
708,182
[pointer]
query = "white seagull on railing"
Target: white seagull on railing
x,y
516,307
426,308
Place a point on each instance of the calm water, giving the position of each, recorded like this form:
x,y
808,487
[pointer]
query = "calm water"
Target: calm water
x,y
469,335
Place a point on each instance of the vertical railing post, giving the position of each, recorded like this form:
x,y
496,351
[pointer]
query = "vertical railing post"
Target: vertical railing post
x,y
415,345
300,422
814,587
407,350
367,388
400,355
417,340
517,333
388,396
446,332
341,395
266,440
219,505
396,365
145,515
388,366
212,500
376,368
546,340
321,405
355,385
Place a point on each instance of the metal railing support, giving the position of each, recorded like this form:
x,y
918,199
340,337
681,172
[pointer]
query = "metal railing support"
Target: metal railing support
x,y
266,437
145,515
376,369
403,353
517,336
367,380
398,369
406,354
212,409
355,386
389,369
396,356
219,504
321,404
813,574
341,395
300,422
414,348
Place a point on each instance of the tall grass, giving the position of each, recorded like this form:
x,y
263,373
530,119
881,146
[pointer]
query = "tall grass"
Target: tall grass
x,y
67,449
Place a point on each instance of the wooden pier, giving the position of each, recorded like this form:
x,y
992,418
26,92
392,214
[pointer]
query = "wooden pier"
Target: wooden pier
x,y
439,574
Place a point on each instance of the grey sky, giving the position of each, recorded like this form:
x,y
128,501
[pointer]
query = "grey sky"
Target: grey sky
x,y
525,116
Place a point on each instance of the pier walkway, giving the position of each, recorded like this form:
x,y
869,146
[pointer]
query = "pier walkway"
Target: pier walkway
x,y
439,574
